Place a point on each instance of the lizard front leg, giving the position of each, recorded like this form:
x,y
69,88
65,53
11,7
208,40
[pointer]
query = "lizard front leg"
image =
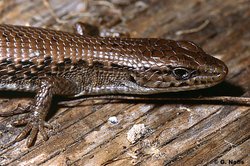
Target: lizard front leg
x,y
35,119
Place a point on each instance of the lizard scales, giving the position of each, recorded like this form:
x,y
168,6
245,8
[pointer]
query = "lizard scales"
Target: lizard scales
x,y
50,62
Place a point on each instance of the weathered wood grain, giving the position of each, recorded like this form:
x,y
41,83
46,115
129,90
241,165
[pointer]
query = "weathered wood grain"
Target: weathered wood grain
x,y
180,133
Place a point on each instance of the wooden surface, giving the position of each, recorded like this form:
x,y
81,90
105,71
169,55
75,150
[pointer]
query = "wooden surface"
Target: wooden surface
x,y
176,133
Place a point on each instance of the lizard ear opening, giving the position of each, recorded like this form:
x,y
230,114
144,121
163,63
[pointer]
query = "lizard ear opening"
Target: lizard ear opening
x,y
132,79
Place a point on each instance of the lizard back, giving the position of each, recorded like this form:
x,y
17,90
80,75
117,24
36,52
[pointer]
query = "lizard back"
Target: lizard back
x,y
28,53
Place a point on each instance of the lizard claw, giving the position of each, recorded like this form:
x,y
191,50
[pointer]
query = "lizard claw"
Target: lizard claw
x,y
33,125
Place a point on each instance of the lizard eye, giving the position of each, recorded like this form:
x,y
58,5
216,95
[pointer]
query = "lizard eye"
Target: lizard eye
x,y
181,73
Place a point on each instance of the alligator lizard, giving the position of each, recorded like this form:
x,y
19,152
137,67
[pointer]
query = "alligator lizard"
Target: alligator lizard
x,y
49,63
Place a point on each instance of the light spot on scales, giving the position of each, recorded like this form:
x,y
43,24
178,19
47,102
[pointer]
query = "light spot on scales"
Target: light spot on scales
x,y
73,55
23,51
89,53
8,44
121,59
82,53
14,39
139,65
100,55
57,50
15,54
107,56
33,54
44,44
61,54
8,52
135,66
77,53
134,63
16,45
146,64
111,57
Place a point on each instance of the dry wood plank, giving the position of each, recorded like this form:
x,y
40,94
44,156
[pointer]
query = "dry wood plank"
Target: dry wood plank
x,y
180,133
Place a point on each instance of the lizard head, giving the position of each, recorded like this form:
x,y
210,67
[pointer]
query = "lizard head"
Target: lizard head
x,y
170,66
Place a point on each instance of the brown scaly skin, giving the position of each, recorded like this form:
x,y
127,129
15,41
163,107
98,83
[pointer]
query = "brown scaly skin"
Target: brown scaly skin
x,y
50,63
